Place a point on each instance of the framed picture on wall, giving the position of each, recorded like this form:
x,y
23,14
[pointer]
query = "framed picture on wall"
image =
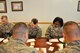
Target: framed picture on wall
x,y
78,9
3,8
17,6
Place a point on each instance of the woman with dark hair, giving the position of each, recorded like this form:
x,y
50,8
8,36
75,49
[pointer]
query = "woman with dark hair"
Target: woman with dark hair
x,y
55,29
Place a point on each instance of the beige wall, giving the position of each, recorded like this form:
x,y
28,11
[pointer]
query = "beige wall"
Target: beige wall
x,y
44,27
44,11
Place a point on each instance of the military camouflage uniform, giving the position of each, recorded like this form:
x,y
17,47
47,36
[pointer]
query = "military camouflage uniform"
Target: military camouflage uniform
x,y
6,28
34,32
73,47
16,46
52,32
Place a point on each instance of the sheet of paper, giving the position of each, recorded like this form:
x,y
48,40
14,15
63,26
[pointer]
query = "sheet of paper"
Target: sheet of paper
x,y
49,43
32,43
53,40
60,46
1,39
30,40
31,46
44,50
61,39
37,48
51,48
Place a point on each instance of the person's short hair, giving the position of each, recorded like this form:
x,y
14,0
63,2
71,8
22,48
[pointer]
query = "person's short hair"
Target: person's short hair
x,y
4,16
60,20
70,23
20,28
34,20
68,30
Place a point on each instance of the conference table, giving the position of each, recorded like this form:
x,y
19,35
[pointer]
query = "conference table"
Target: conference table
x,y
42,43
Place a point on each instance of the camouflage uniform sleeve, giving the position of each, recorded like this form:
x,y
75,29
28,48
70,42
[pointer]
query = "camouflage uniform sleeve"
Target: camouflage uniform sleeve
x,y
32,50
39,33
35,51
60,52
0,27
60,32
68,50
11,27
65,50
47,34
2,49
26,51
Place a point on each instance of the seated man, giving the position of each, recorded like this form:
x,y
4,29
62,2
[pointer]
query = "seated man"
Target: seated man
x,y
71,34
5,27
55,29
17,42
34,30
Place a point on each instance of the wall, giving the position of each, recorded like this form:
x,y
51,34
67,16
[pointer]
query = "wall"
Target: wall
x,y
44,11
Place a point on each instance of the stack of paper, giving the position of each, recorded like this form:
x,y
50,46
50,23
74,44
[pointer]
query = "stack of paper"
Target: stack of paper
x,y
53,40
44,50
51,48
1,39
49,43
37,48
60,46
61,39
30,40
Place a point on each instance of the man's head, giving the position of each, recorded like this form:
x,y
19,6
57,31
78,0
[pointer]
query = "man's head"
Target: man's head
x,y
20,31
4,19
34,22
71,31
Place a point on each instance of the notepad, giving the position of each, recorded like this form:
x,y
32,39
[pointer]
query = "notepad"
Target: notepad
x,y
44,50
31,46
60,46
32,43
37,48
30,40
49,43
61,39
51,48
1,39
53,40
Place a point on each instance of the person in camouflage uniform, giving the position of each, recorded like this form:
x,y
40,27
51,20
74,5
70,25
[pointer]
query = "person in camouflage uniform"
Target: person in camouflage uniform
x,y
17,43
55,29
34,30
5,26
16,46
71,34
